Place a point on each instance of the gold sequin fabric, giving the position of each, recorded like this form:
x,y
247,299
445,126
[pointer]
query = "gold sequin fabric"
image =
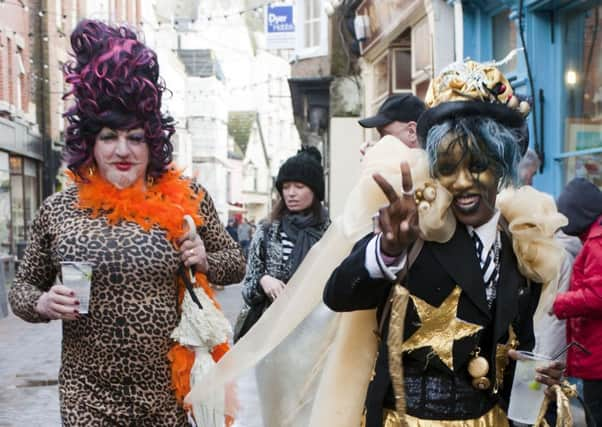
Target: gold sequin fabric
x,y
496,417
439,327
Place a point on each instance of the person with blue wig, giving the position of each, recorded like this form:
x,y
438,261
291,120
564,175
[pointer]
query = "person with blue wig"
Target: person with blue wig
x,y
445,356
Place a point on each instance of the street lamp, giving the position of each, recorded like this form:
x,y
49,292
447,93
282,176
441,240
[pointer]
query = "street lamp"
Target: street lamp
x,y
571,77
571,81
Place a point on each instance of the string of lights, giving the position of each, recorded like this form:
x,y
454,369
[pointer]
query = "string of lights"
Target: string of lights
x,y
60,34
258,9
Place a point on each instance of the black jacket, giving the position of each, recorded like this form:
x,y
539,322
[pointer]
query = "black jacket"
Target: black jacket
x,y
432,277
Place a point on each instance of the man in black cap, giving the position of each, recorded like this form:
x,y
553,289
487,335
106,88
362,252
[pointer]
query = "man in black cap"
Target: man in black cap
x,y
397,116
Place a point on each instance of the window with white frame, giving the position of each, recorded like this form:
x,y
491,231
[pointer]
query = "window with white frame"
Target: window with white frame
x,y
421,57
392,71
311,24
504,38
21,91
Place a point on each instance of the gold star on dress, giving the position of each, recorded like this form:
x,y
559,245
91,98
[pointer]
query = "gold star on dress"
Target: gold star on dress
x,y
439,327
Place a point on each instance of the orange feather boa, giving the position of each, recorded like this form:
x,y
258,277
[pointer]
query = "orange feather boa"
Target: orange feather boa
x,y
164,204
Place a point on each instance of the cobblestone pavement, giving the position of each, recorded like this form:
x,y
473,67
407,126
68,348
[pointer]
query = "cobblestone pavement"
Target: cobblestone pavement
x,y
30,360
29,364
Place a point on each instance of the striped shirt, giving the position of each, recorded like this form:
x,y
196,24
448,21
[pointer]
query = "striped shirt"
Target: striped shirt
x,y
287,246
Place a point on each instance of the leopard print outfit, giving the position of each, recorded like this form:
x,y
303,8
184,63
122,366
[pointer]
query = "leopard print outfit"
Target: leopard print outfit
x,y
114,370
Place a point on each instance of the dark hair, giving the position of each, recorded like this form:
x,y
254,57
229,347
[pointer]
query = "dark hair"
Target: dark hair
x,y
280,210
581,203
115,84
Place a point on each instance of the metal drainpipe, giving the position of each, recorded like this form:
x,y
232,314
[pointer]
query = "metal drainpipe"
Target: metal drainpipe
x,y
48,165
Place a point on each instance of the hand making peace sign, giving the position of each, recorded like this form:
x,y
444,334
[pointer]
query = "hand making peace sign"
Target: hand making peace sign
x,y
399,220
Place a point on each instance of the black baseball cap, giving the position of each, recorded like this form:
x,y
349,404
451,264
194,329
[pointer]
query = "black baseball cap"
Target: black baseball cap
x,y
402,108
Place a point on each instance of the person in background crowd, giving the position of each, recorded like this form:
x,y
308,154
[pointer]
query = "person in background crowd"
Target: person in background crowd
x,y
528,167
279,246
397,116
244,236
550,332
253,227
232,229
123,214
581,202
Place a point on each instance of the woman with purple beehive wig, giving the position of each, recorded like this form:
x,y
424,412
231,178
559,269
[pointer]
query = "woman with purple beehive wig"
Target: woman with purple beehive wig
x,y
152,237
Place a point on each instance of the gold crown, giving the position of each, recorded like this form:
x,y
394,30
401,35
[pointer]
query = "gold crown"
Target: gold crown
x,y
471,80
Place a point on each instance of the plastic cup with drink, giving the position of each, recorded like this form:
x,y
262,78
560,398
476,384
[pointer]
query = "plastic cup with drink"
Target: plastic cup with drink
x,y
77,276
527,393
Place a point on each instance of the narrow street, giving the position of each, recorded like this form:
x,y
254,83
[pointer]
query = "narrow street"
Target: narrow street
x,y
31,360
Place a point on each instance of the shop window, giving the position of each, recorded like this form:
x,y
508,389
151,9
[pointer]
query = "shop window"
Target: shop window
x,y
31,193
402,70
582,83
504,34
5,203
16,202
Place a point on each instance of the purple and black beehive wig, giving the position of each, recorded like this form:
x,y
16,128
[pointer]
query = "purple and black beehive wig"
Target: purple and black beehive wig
x,y
115,83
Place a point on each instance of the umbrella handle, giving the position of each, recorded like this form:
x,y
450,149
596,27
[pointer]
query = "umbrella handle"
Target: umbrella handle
x,y
189,222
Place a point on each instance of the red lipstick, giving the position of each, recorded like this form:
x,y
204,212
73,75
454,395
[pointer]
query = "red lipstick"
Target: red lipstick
x,y
123,166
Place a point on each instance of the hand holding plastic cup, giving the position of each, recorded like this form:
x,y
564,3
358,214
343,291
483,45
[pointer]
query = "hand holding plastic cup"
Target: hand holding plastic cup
x,y
77,276
527,393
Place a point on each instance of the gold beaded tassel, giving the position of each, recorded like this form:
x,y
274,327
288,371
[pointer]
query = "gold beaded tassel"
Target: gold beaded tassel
x,y
399,305
564,417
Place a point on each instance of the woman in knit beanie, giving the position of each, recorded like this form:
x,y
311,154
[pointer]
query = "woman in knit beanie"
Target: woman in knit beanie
x,y
279,246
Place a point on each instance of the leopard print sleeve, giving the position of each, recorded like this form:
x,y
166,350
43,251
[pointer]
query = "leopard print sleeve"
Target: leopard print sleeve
x,y
226,261
36,271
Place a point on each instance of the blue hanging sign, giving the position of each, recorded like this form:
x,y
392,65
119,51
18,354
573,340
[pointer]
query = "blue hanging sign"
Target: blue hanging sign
x,y
280,27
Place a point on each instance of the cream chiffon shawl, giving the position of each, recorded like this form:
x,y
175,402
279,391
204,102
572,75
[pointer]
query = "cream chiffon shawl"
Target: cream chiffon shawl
x,y
333,389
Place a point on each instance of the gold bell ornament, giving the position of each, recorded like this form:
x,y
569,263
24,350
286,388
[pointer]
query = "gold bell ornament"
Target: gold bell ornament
x,y
478,368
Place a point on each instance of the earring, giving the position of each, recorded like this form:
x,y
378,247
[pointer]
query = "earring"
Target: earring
x,y
150,180
91,171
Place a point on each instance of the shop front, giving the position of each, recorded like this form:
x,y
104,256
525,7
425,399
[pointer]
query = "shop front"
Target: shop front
x,y
560,69
20,184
